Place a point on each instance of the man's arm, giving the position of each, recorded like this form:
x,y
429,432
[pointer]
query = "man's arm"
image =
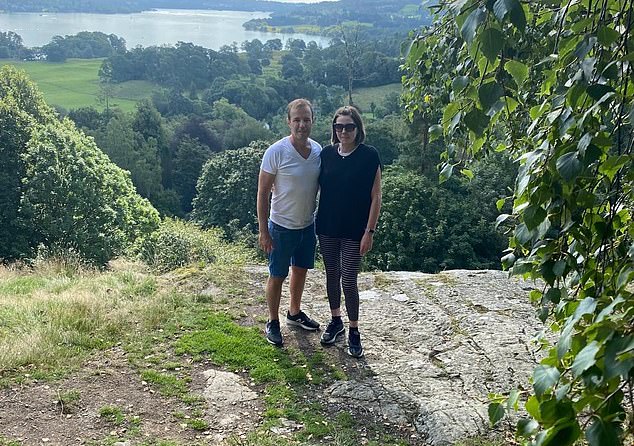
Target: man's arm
x,y
265,185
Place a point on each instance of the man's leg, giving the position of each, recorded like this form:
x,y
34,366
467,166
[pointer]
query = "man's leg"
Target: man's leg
x,y
297,282
274,295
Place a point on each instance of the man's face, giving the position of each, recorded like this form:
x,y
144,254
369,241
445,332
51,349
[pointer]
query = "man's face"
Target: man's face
x,y
300,122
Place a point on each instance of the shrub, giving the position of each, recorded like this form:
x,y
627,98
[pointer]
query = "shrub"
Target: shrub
x,y
177,243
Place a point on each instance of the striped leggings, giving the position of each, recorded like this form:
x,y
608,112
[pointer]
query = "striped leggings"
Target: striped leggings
x,y
342,261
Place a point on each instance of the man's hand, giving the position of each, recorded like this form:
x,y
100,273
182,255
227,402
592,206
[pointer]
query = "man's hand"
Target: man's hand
x,y
266,242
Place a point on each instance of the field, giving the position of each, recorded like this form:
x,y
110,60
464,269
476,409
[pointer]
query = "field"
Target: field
x,y
364,96
75,84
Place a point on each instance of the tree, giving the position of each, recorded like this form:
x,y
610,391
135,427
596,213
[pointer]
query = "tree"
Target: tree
x,y
551,83
62,192
227,189
188,162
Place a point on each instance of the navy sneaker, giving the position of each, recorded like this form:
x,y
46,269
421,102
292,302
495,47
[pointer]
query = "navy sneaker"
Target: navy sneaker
x,y
301,319
273,333
335,328
354,344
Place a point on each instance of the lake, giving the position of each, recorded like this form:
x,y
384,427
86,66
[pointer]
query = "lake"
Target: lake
x,y
210,29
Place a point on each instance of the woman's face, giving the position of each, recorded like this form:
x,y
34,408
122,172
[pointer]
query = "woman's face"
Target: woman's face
x,y
346,129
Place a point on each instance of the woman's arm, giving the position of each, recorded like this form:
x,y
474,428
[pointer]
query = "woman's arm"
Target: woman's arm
x,y
373,217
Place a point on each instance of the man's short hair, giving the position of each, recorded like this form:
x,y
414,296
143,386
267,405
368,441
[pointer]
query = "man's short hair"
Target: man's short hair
x,y
300,103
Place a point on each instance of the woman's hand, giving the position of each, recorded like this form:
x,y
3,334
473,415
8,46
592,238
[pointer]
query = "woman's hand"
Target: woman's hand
x,y
366,243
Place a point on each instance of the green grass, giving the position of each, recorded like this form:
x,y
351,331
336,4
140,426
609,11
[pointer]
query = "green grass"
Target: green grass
x,y
75,83
112,414
364,96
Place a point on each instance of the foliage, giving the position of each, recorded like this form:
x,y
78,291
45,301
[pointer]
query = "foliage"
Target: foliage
x,y
453,228
61,190
552,84
177,243
83,45
227,188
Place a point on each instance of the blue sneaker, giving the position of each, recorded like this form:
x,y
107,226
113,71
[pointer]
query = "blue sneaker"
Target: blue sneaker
x,y
354,344
334,329
273,333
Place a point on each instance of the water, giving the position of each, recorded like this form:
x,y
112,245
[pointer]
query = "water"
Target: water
x,y
210,29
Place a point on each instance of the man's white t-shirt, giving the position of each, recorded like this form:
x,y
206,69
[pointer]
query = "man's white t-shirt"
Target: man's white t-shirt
x,y
294,196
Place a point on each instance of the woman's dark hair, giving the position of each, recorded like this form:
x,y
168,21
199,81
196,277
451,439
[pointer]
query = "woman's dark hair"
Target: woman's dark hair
x,y
349,110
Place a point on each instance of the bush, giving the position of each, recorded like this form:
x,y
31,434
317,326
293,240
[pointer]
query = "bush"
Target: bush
x,y
429,227
177,243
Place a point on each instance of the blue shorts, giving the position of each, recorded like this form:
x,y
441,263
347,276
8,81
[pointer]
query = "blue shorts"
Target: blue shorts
x,y
291,247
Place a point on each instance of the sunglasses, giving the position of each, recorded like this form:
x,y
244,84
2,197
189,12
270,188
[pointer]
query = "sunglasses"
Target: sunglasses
x,y
347,127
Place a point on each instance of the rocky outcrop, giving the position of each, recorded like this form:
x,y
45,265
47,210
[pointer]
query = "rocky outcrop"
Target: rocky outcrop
x,y
436,346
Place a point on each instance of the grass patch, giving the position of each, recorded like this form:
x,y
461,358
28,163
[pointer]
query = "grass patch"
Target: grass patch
x,y
51,320
167,384
75,83
6,442
240,348
112,414
363,97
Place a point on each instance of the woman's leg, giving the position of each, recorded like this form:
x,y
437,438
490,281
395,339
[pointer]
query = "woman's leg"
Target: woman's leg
x,y
331,252
350,265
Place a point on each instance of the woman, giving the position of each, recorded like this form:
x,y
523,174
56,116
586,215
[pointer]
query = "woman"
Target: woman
x,y
349,206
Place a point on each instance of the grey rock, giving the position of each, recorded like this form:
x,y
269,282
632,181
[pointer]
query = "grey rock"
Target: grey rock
x,y
436,346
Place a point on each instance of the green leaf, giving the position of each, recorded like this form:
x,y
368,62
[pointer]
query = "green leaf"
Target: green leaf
x,y
607,36
569,166
625,277
517,70
602,432
562,391
562,434
489,93
555,412
544,378
613,164
517,14
587,306
585,358
500,204
459,83
435,132
496,413
559,268
446,172
597,91
449,114
491,43
583,48
553,295
532,407
533,216
527,427
513,400
469,27
467,173
500,9
565,341
614,365
523,234
476,121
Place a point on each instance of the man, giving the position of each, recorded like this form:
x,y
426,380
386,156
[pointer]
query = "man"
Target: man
x,y
290,170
